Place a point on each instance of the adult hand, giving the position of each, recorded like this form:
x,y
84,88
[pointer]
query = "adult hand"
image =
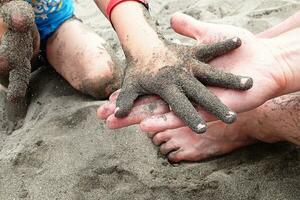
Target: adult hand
x,y
257,58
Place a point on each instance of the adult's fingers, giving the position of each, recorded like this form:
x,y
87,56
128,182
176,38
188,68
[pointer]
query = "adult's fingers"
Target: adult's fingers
x,y
137,114
204,33
187,26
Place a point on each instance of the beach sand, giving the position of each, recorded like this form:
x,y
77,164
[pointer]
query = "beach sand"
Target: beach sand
x,y
64,152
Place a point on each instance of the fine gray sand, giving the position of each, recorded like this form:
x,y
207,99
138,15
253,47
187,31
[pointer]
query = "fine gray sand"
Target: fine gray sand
x,y
64,152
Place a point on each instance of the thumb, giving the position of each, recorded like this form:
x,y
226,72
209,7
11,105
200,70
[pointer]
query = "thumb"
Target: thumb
x,y
204,33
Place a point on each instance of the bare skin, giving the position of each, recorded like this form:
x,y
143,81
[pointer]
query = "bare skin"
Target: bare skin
x,y
258,57
19,42
171,71
276,120
78,54
82,58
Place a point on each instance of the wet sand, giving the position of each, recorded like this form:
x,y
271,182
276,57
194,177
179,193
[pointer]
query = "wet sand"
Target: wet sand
x,y
64,152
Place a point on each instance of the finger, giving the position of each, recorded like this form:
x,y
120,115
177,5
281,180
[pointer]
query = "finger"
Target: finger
x,y
201,95
168,147
204,33
211,76
169,120
183,108
160,123
187,25
162,137
105,110
209,52
109,108
138,114
288,24
125,101
113,97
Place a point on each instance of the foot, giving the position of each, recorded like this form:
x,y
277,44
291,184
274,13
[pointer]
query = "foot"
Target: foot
x,y
183,144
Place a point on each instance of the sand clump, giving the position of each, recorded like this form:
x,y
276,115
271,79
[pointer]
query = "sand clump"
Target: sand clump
x,y
64,152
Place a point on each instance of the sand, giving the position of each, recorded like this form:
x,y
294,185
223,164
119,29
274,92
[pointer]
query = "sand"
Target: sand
x,y
64,152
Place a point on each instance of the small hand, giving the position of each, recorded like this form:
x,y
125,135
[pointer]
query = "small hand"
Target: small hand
x,y
171,75
19,42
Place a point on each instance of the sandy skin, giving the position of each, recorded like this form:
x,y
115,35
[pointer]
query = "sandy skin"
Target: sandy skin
x,y
178,74
182,143
19,42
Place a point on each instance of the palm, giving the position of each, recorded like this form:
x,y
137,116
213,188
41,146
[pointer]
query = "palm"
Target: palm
x,y
253,58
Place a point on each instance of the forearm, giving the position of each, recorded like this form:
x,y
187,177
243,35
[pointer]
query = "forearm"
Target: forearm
x,y
288,54
276,120
134,27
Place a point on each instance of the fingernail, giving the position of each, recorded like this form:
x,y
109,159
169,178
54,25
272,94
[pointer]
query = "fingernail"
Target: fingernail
x,y
116,110
237,41
201,128
231,117
246,83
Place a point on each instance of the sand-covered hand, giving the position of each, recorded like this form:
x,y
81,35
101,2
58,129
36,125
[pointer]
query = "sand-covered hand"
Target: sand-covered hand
x,y
179,74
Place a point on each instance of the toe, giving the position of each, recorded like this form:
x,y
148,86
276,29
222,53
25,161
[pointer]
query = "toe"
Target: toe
x,y
151,134
105,110
168,147
161,137
176,156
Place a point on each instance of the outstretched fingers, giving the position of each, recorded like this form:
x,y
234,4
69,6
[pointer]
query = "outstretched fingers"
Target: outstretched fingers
x,y
128,94
180,104
202,96
211,76
209,52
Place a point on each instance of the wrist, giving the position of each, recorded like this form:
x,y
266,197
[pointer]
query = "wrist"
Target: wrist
x,y
288,57
135,28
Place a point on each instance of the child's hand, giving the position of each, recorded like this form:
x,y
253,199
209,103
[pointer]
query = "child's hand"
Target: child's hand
x,y
172,72
19,42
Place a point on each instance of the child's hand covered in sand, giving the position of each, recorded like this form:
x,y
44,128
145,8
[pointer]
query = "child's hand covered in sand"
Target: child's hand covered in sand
x,y
170,73
154,66
257,58
19,43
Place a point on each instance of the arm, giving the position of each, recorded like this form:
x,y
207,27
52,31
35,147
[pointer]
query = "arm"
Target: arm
x,y
287,46
133,28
